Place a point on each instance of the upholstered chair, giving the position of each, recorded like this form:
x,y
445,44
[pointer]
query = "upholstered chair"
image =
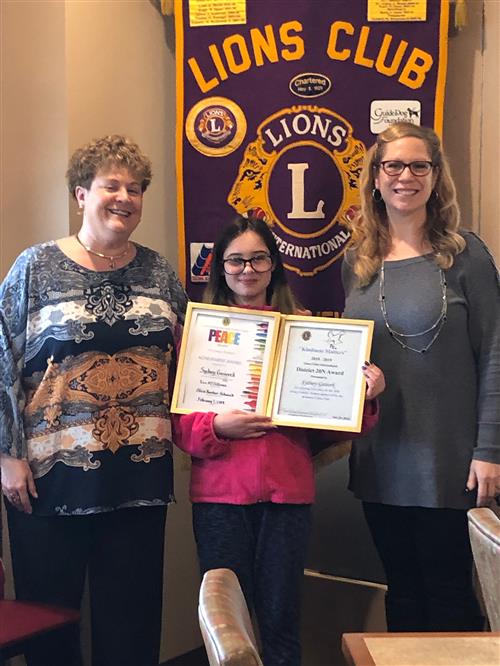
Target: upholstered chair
x,y
22,622
484,530
225,621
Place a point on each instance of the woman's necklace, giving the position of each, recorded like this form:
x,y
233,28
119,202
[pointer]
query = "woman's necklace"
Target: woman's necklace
x,y
436,326
110,257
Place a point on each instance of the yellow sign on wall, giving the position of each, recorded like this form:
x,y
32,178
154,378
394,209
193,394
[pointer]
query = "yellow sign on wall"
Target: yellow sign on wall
x,y
397,10
217,12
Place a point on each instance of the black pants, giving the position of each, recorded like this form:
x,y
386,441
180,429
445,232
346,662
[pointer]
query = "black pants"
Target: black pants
x,y
264,544
427,559
123,553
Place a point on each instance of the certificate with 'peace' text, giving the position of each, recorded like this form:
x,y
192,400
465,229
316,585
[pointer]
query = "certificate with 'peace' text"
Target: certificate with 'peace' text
x,y
226,359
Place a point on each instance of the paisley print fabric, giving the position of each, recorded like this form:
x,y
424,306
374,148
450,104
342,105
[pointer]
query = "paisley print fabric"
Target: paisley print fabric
x,y
108,302
84,391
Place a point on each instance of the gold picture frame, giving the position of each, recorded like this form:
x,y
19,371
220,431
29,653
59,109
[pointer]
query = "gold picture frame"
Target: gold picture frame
x,y
226,359
318,380
301,371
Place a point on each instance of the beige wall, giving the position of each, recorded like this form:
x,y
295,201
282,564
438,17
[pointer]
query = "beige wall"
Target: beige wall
x,y
33,126
471,127
489,217
80,68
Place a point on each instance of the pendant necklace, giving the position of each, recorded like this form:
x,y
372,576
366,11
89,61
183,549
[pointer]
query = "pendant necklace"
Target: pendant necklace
x,y
111,258
401,338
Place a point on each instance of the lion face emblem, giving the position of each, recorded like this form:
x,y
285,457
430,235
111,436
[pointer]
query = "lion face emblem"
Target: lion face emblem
x,y
248,190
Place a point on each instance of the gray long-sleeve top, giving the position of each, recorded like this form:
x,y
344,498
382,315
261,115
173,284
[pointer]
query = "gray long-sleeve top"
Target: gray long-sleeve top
x,y
440,409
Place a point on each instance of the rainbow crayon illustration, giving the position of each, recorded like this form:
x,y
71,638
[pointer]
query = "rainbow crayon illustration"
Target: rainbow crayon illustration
x,y
251,390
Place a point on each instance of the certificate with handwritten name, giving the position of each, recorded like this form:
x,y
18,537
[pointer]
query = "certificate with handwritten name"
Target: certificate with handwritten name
x,y
226,359
301,371
318,381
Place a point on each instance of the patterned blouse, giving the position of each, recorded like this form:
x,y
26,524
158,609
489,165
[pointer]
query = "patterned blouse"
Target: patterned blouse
x,y
85,360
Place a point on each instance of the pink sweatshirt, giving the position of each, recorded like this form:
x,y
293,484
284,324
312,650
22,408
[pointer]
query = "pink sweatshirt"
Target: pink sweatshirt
x,y
274,468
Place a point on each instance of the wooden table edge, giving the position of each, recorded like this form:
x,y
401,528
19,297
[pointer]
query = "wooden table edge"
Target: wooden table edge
x,y
356,652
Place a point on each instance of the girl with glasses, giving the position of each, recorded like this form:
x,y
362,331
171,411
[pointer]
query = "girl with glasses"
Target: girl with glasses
x,y
433,292
251,482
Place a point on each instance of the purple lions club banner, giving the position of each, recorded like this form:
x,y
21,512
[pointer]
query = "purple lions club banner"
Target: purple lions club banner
x,y
277,102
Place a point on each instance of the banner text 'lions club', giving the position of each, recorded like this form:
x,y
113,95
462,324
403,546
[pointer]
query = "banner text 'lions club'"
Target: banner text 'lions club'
x,y
277,105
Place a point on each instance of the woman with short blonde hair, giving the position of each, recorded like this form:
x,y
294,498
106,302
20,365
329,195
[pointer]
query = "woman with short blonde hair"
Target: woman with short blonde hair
x,y
88,329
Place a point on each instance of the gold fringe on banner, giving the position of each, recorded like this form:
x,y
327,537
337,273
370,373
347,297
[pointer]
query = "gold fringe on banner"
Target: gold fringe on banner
x,y
167,7
460,14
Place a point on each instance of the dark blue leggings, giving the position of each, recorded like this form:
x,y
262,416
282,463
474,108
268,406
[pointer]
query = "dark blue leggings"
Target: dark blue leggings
x,y
427,560
265,545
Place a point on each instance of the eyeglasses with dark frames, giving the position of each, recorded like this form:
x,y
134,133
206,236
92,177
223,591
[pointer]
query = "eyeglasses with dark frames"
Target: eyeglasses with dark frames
x,y
396,167
260,263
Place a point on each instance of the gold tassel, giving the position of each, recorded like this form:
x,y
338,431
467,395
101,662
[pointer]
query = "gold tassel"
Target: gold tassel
x,y
331,454
460,14
167,7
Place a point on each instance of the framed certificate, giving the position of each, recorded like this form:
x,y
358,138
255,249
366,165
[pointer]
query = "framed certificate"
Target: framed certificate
x,y
301,371
226,359
318,382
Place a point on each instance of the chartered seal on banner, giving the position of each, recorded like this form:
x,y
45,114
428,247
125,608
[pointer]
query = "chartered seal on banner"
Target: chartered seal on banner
x,y
216,126
302,172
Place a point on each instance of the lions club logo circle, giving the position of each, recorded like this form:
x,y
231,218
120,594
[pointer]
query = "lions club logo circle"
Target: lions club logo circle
x,y
215,126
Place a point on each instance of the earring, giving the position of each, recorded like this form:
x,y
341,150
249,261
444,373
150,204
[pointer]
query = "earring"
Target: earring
x,y
376,195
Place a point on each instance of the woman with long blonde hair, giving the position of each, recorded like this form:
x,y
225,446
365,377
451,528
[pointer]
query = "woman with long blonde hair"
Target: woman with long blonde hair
x,y
433,292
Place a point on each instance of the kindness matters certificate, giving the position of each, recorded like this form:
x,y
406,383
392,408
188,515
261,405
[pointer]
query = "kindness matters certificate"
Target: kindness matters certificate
x,y
318,382
226,359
